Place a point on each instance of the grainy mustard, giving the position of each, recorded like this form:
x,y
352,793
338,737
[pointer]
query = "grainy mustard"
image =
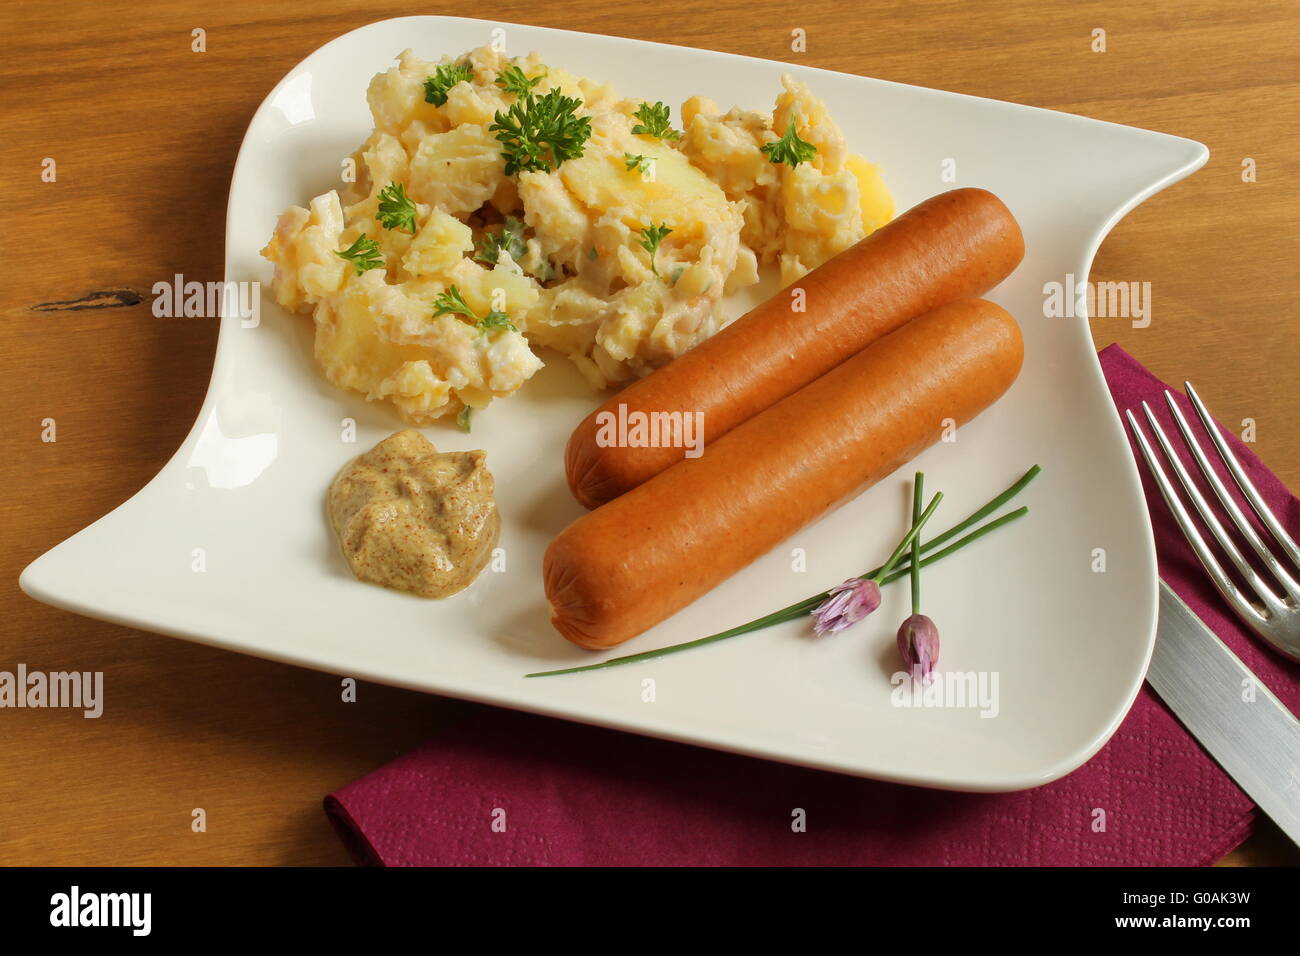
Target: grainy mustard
x,y
410,517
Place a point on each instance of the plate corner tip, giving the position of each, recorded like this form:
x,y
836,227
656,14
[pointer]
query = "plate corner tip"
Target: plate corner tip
x,y
27,578
1200,153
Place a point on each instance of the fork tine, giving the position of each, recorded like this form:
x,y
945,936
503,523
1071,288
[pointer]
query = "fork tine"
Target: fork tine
x,y
1266,516
1217,531
1226,587
1229,503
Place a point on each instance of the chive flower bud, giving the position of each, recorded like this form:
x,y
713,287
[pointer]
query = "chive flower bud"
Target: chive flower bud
x,y
845,605
918,643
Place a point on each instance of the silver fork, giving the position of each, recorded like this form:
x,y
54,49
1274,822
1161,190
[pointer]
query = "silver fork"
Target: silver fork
x,y
1274,618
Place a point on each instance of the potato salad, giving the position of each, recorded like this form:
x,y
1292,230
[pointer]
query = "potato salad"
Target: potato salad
x,y
504,206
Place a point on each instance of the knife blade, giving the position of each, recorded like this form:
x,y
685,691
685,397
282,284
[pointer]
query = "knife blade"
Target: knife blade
x,y
1254,738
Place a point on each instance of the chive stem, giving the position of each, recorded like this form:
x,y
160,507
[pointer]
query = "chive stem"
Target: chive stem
x,y
987,510
918,492
918,522
956,545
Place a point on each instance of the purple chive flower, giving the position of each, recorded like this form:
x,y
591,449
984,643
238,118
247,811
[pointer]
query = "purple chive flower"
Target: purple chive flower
x,y
918,643
846,604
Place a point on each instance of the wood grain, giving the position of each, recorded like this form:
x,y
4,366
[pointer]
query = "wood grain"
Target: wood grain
x,y
144,132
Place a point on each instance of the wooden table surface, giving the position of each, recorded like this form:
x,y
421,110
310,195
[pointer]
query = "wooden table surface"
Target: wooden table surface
x,y
144,132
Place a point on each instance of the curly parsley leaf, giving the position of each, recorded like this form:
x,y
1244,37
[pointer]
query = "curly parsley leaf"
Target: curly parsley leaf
x,y
651,236
509,240
396,210
538,133
452,302
444,78
495,320
364,254
654,121
790,149
635,161
513,80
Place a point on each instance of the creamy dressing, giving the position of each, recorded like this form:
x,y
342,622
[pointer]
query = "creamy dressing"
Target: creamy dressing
x,y
410,517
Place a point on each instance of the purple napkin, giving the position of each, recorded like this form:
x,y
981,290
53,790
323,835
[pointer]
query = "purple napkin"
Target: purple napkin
x,y
509,788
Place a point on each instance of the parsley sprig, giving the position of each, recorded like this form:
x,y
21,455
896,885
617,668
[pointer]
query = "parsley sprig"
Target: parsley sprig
x,y
651,236
509,240
635,161
396,210
654,121
452,302
790,149
364,254
444,78
538,133
513,80
495,320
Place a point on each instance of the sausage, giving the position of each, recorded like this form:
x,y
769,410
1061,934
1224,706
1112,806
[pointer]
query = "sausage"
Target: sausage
x,y
624,567
957,244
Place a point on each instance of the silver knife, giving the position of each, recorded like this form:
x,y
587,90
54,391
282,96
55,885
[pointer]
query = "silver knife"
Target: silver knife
x,y
1257,741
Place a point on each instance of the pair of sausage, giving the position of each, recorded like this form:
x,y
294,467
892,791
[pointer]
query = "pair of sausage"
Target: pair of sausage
x,y
632,562
627,565
957,244
802,411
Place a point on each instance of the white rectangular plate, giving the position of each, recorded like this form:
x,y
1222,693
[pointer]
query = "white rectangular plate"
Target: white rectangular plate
x,y
1069,646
